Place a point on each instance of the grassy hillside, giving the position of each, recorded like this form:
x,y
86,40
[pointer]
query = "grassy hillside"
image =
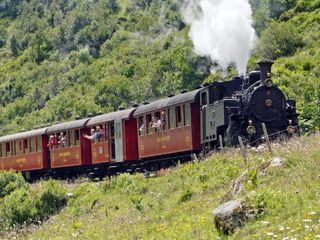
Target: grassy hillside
x,y
178,203
66,58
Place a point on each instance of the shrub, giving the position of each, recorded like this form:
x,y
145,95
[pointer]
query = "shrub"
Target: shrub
x,y
10,181
17,208
51,199
186,196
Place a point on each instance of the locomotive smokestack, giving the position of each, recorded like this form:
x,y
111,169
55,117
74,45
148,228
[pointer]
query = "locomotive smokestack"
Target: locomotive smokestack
x,y
265,71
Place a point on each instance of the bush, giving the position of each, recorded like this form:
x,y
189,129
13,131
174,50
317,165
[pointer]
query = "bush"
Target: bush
x,y
51,199
17,208
10,181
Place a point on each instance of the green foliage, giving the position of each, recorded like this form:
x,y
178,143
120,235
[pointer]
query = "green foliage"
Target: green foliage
x,y
21,203
10,181
280,40
51,198
17,208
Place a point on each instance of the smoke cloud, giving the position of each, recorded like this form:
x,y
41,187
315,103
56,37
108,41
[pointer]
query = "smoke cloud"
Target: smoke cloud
x,y
222,30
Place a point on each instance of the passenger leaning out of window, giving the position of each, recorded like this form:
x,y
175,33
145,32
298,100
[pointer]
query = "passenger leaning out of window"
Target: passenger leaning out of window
x,y
99,133
93,135
51,142
63,140
156,124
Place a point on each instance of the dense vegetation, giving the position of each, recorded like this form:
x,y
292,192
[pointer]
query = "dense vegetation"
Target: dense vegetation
x,y
21,203
178,203
65,58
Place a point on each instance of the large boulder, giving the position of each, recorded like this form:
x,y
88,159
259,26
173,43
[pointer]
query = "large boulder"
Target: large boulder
x,y
229,216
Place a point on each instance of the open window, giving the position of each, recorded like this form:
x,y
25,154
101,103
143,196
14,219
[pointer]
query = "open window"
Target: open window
x,y
76,137
71,141
163,118
14,148
157,122
178,116
8,150
141,127
25,146
187,114
149,123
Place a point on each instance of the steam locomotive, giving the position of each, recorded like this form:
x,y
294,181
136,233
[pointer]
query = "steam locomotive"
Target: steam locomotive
x,y
189,123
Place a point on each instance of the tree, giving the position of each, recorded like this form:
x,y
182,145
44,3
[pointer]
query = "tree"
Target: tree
x,y
13,43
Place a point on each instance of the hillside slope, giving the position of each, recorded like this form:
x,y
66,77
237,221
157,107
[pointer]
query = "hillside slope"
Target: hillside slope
x,y
178,203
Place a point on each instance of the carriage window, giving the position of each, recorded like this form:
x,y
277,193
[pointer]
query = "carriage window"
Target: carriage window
x,y
203,98
171,118
178,116
187,115
25,145
141,126
39,144
76,137
70,138
157,122
3,150
8,153
14,148
148,123
0,150
32,144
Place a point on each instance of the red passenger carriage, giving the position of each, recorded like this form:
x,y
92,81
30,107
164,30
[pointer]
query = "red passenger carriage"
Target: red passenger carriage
x,y
76,151
119,142
24,151
179,130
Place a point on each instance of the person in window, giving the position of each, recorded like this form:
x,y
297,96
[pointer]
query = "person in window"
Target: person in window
x,y
51,142
153,122
93,137
63,140
163,120
99,133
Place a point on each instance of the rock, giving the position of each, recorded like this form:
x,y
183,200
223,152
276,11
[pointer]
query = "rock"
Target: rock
x,y
276,162
229,216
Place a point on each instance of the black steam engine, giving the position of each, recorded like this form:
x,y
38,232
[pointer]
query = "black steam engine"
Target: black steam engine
x,y
240,107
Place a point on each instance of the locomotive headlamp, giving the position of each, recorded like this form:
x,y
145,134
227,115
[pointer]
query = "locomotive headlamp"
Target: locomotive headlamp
x,y
251,130
250,122
268,82
290,121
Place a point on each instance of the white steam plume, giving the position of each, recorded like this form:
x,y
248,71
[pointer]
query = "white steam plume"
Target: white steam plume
x,y
222,30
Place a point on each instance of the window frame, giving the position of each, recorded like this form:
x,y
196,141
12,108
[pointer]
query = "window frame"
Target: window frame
x,y
185,115
176,118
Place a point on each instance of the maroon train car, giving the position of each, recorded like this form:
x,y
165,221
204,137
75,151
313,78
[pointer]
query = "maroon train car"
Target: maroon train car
x,y
24,151
119,142
179,130
77,149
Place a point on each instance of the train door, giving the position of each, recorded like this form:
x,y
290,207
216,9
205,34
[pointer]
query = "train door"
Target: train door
x,y
118,140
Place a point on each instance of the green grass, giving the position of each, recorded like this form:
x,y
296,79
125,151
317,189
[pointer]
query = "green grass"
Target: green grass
x,y
178,203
